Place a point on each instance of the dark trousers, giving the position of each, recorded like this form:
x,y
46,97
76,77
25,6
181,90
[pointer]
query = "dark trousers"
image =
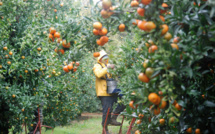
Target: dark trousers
x,y
107,102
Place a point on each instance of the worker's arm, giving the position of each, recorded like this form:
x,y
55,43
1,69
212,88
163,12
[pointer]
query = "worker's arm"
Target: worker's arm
x,y
99,71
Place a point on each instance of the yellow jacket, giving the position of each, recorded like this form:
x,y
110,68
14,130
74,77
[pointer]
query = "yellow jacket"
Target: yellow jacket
x,y
100,70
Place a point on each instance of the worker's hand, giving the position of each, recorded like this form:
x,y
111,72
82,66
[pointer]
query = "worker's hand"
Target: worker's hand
x,y
112,66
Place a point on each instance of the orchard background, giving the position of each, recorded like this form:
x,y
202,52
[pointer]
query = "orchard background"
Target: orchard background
x,y
163,51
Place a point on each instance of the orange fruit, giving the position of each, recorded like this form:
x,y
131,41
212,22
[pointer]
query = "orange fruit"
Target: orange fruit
x,y
55,10
173,45
62,51
74,69
99,42
131,104
26,71
140,116
5,48
96,54
168,36
189,130
52,30
150,42
203,96
122,27
165,29
135,22
14,96
56,35
36,70
152,49
106,4
50,36
197,131
172,120
142,77
162,121
8,62
137,132
105,14
59,40
162,18
95,32
134,3
138,122
163,104
39,49
157,111
176,40
70,66
97,25
146,2
1,3
103,31
66,69
141,25
10,53
178,107
149,26
154,98
104,39
141,11
77,64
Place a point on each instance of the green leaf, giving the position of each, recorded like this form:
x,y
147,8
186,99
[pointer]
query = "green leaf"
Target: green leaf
x,y
209,104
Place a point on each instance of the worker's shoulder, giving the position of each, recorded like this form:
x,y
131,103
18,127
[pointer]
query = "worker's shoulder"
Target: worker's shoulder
x,y
97,65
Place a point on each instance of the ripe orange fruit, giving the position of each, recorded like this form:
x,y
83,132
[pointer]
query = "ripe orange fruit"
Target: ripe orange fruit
x,y
39,49
105,14
162,18
0,66
65,68
6,56
174,46
172,120
165,29
50,36
8,62
1,3
56,35
70,66
189,130
104,39
197,131
154,98
203,96
62,51
134,3
149,26
13,95
163,104
77,64
142,77
153,48
122,27
98,42
157,111
23,110
141,11
150,42
5,48
10,53
168,36
103,31
178,107
131,104
55,10
176,40
96,54
162,121
106,4
26,71
36,70
140,116
164,5
52,30
74,69
135,22
141,25
95,32
97,25
59,40
137,132
138,122
146,2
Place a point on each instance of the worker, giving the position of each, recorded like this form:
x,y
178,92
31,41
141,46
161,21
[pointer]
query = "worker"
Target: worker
x,y
101,69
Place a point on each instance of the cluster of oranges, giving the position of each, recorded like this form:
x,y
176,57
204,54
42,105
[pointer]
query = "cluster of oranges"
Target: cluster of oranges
x,y
107,10
53,34
73,66
98,30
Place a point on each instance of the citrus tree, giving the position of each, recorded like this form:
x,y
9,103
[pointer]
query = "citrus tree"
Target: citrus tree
x,y
40,63
166,62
